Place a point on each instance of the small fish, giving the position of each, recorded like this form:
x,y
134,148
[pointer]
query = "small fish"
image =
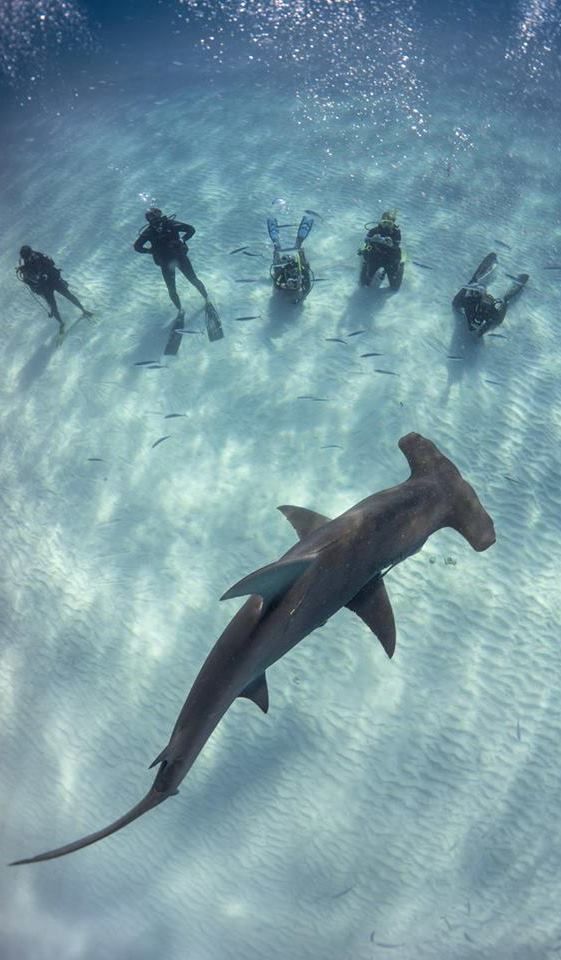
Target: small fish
x,y
334,340
342,893
242,319
512,277
95,460
161,440
390,373
425,266
355,333
172,416
308,396
238,250
321,279
246,280
372,354
331,446
498,336
313,213
248,253
452,356
184,330
518,734
283,226
496,383
157,366
501,243
144,363
510,479
466,935
553,266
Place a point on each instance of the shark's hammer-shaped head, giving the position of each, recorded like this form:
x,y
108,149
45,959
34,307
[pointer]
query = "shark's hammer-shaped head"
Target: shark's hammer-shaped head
x,y
462,509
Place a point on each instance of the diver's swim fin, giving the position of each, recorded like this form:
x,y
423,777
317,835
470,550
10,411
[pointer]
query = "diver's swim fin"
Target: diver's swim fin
x,y
304,228
273,228
485,269
516,287
213,325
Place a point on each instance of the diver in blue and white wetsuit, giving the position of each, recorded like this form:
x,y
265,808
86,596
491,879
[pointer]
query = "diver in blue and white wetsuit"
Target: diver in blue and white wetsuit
x,y
290,269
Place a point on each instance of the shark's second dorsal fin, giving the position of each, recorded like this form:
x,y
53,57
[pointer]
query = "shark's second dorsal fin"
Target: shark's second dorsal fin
x,y
257,691
372,605
304,521
269,582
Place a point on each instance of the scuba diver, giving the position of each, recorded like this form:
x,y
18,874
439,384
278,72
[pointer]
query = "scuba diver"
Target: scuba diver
x,y
482,311
290,270
44,279
169,250
381,251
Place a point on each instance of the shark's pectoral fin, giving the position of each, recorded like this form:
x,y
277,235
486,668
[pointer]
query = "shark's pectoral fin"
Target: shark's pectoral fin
x,y
372,605
269,582
304,521
258,692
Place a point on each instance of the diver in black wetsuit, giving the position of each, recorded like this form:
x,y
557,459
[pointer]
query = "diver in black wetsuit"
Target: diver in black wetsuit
x,y
482,311
381,250
43,278
290,269
169,250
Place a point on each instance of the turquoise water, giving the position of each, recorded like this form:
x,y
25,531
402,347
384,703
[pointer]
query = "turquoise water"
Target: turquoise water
x,y
405,808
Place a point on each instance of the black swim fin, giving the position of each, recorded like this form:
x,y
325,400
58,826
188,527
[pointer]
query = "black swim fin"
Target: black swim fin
x,y
213,325
485,269
516,287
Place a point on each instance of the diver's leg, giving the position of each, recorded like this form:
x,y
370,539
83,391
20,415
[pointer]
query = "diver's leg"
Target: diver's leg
x,y
186,268
168,273
62,288
366,272
459,300
49,296
395,274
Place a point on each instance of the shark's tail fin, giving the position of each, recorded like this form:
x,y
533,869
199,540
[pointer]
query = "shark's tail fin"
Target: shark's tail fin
x,y
466,514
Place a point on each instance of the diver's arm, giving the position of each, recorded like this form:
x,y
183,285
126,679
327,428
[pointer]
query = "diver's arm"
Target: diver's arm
x,y
141,241
186,229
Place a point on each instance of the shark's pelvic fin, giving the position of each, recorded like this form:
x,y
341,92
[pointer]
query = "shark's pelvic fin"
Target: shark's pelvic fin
x,y
304,521
160,758
258,692
372,605
270,582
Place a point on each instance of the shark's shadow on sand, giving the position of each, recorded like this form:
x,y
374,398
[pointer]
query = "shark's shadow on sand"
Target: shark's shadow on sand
x,y
336,563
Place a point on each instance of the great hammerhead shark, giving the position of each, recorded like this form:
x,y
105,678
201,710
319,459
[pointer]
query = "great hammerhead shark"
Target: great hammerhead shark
x,y
336,563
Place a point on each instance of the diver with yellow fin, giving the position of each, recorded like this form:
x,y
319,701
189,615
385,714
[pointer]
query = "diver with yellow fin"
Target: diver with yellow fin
x,y
290,270
381,253
482,311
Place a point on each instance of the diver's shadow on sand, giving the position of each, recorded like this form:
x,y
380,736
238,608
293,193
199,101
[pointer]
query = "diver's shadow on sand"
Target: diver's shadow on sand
x,y
363,304
36,365
152,339
466,346
282,314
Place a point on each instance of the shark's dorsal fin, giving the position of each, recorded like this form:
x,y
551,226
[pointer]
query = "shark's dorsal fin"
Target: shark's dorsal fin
x,y
372,605
269,582
304,521
258,692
